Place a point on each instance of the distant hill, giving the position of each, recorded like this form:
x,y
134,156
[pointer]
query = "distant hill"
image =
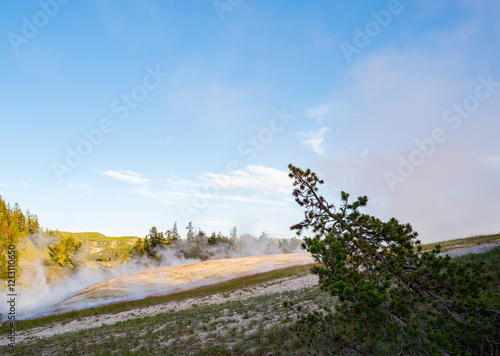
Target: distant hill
x,y
73,249
98,247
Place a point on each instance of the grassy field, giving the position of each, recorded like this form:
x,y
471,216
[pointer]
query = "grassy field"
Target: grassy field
x,y
457,243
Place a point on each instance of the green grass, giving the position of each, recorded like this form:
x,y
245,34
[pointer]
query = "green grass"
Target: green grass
x,y
102,240
457,243
97,236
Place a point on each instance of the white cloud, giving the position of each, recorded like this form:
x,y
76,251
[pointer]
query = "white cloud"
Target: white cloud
x,y
490,159
127,176
315,140
21,184
182,198
163,142
82,187
27,185
262,179
174,180
256,185
319,112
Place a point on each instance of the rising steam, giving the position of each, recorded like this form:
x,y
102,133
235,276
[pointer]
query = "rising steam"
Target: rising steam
x,y
39,292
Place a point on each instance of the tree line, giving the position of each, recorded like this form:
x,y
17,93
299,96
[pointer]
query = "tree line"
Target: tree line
x,y
201,246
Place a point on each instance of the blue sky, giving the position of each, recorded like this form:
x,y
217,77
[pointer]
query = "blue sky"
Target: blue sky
x,y
120,115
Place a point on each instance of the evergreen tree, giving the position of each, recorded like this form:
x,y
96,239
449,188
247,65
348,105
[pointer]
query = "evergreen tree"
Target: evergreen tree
x,y
393,299
222,239
212,240
172,236
233,234
201,235
175,233
139,247
190,231
155,240
64,252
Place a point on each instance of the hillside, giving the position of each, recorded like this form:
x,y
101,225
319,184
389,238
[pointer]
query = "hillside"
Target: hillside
x,y
95,251
92,246
97,246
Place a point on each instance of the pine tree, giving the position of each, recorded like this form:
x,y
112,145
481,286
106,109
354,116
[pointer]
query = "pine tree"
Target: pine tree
x,y
156,240
175,233
212,240
233,234
139,247
393,298
190,231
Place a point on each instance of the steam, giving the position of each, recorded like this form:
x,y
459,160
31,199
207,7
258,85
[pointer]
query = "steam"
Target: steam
x,y
38,293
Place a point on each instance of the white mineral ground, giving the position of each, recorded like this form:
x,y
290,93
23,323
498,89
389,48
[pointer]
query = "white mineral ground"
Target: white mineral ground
x,y
170,280
174,279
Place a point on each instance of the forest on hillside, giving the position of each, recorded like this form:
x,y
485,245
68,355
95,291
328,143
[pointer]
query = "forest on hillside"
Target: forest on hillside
x,y
14,227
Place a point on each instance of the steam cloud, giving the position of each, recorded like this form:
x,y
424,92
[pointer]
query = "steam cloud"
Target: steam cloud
x,y
37,294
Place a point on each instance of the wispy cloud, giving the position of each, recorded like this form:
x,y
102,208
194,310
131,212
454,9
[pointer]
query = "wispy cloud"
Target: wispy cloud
x,y
260,185
21,184
27,185
490,159
315,139
163,142
82,187
180,198
322,111
127,176
262,179
256,178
